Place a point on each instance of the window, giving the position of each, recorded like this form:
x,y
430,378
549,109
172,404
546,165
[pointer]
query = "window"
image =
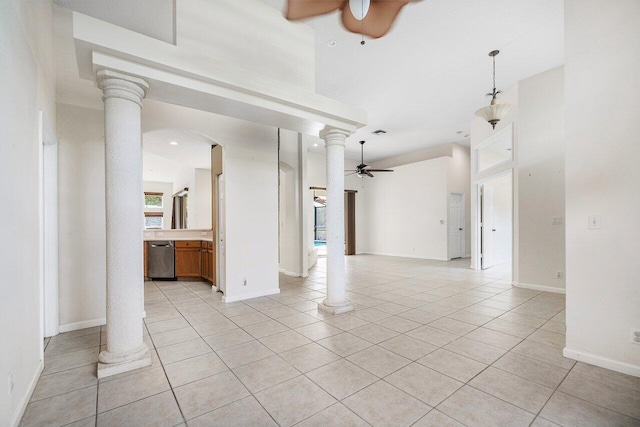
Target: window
x,y
153,220
495,151
152,200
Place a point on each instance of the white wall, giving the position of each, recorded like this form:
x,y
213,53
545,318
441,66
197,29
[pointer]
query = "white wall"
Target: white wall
x,y
27,85
602,108
459,181
251,190
291,215
166,188
405,209
218,28
541,179
202,199
82,265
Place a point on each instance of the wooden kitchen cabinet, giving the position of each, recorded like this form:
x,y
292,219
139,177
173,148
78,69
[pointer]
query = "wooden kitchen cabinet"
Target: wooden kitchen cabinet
x,y
188,258
144,258
208,265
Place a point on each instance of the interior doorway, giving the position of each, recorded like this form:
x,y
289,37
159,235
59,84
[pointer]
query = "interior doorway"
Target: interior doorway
x,y
48,218
496,222
456,226
320,224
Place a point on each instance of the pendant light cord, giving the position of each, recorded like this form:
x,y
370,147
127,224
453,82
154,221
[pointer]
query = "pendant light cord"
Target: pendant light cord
x,y
362,11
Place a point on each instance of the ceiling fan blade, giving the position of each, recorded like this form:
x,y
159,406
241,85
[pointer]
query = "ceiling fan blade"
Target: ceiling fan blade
x,y
352,173
368,173
380,170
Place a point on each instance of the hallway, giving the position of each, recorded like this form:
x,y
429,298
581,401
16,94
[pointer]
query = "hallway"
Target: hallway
x,y
429,344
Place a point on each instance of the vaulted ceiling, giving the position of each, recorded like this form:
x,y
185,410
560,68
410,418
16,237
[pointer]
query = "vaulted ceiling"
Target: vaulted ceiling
x,y
421,83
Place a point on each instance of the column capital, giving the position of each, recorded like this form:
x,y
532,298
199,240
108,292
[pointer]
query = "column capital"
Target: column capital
x,y
116,85
333,136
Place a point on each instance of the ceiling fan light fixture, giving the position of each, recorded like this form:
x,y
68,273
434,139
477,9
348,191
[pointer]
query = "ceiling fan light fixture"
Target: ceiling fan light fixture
x,y
359,8
496,111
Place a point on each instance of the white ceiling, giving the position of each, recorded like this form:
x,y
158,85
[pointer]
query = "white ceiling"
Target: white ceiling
x,y
422,82
162,160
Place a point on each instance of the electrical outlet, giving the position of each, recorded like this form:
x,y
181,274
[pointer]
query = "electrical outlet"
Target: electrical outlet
x,y
558,274
244,282
204,233
556,220
10,382
635,337
595,222
160,233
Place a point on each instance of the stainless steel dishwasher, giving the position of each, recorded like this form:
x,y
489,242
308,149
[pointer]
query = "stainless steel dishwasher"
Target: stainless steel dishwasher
x,y
161,259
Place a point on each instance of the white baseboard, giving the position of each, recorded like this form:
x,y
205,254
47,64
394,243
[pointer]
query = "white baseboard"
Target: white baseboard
x,y
22,406
408,256
82,325
251,295
289,273
603,362
540,288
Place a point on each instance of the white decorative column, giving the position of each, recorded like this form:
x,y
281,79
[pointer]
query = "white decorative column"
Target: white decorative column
x,y
124,212
336,301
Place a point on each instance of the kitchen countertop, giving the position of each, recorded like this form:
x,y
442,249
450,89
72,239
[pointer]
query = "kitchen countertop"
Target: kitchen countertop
x,y
157,239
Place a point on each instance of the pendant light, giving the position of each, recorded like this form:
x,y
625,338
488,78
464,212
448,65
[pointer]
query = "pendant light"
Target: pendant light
x,y
359,8
495,111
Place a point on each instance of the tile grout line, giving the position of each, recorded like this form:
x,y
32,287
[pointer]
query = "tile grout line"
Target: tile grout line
x,y
230,370
552,394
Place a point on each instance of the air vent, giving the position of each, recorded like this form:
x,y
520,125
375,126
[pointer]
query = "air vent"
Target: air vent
x,y
379,132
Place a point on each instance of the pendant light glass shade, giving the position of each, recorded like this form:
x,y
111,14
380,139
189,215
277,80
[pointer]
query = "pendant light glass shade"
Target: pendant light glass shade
x,y
359,8
494,112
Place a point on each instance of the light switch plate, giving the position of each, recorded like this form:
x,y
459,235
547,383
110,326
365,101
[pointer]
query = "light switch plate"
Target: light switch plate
x,y
595,222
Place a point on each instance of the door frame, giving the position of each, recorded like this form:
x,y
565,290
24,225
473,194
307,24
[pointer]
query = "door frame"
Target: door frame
x,y
349,219
477,220
48,242
464,222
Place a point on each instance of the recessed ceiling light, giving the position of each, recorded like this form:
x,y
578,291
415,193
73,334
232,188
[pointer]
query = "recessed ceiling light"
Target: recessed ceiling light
x,y
315,145
173,143
332,43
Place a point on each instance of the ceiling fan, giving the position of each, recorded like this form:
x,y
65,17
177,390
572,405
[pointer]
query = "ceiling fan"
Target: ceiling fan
x,y
363,170
379,14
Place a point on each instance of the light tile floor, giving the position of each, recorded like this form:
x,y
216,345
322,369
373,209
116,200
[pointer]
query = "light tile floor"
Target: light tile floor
x,y
429,344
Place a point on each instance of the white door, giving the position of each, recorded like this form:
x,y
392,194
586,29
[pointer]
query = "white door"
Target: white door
x,y
456,225
220,258
487,226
